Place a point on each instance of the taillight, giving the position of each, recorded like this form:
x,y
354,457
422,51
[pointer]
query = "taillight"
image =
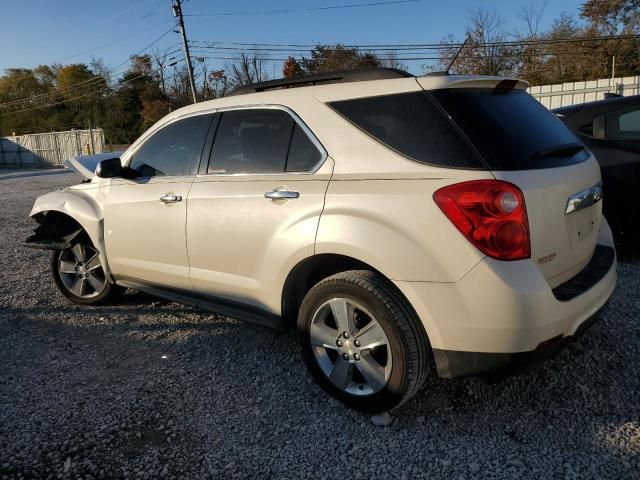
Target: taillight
x,y
491,214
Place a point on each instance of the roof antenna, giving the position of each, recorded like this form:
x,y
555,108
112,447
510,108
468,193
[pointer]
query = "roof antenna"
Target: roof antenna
x,y
455,57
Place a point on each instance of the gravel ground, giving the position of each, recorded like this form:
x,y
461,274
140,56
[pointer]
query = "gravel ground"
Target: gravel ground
x,y
150,389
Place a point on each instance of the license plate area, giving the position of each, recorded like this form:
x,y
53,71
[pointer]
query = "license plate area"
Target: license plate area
x,y
583,226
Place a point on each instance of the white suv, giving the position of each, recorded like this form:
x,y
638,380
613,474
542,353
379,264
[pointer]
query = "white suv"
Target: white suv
x,y
398,224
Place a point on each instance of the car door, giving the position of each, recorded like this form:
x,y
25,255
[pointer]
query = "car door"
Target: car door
x,y
619,154
145,216
253,211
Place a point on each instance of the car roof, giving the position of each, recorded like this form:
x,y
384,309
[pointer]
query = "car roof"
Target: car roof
x,y
350,90
343,76
582,114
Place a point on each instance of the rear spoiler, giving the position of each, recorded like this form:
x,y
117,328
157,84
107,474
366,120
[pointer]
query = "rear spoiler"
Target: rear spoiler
x,y
471,81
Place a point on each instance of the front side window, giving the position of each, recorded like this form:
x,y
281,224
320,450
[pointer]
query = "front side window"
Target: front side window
x,y
173,150
261,140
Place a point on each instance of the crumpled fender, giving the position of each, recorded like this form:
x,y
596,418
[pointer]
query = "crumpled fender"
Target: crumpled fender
x,y
83,208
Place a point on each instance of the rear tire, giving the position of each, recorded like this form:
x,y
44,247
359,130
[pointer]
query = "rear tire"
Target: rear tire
x,y
382,360
78,273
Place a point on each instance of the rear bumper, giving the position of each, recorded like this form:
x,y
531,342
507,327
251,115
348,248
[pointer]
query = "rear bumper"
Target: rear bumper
x,y
452,364
505,313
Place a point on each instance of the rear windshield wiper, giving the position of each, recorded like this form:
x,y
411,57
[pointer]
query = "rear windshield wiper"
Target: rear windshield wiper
x,y
567,149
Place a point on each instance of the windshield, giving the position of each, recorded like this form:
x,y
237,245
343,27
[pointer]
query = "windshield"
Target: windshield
x,y
510,128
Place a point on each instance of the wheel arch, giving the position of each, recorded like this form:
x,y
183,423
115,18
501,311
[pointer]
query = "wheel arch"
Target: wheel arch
x,y
312,270
74,210
309,271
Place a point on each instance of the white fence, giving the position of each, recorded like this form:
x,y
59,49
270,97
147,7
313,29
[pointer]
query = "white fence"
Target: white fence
x,y
49,149
571,93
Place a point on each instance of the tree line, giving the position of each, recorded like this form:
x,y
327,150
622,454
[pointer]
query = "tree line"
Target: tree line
x,y
572,49
125,104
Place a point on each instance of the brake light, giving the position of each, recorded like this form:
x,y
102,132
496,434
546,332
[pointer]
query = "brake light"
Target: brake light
x,y
491,214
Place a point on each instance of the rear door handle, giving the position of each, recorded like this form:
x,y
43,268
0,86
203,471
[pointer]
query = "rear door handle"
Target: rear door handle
x,y
170,198
280,194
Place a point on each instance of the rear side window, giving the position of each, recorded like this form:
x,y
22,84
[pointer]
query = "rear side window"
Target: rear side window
x,y
624,126
251,141
413,125
303,154
511,129
261,141
173,150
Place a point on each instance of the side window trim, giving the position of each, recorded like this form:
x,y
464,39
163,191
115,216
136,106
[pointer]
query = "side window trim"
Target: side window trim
x,y
286,160
297,121
143,140
208,144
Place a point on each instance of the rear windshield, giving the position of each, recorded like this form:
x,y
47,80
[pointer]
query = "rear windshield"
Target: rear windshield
x,y
413,125
511,129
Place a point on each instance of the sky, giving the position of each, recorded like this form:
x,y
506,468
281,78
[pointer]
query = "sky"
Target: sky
x,y
38,32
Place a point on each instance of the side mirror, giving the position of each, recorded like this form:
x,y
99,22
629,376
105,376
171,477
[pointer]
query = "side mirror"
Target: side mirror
x,y
109,168
599,130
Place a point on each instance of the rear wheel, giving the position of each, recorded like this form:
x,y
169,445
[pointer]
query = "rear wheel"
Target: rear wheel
x,y
362,342
78,273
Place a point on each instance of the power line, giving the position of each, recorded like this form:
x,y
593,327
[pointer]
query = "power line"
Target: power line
x,y
135,6
58,91
470,55
550,41
427,46
114,42
84,84
6,81
381,52
388,51
284,59
67,100
148,46
50,104
311,9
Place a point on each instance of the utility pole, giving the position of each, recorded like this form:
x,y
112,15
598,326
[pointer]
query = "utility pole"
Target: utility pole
x,y
613,71
93,148
177,12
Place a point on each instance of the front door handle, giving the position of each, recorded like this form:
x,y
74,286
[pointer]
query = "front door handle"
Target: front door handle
x,y
170,198
280,194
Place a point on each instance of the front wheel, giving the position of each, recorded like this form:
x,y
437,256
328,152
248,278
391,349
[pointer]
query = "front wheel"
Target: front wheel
x,y
362,342
78,273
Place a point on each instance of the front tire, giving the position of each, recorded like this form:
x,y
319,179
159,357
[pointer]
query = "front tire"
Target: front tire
x,y
362,342
78,274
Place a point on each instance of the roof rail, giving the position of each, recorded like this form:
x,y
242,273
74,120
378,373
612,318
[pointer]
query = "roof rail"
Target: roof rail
x,y
323,78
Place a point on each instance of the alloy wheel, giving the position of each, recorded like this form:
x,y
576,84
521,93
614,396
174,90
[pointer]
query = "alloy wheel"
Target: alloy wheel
x,y
351,347
81,272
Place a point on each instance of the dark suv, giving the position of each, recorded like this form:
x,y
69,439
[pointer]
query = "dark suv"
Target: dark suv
x,y
610,128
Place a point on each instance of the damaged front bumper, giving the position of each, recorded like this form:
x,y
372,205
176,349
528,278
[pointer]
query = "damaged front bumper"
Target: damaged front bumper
x,y
54,232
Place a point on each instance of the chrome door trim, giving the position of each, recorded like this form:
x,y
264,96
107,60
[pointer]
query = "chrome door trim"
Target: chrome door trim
x,y
281,194
584,199
170,198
